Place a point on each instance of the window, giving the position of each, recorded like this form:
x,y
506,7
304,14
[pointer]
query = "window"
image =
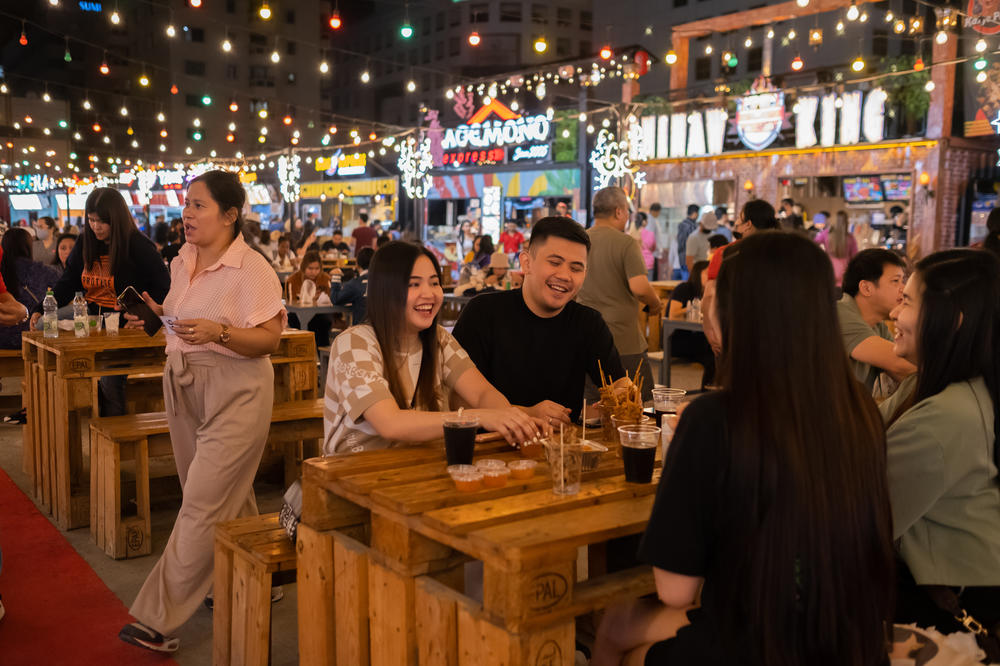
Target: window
x,y
290,78
479,12
587,21
703,68
290,16
510,12
230,6
755,59
258,105
907,47
454,46
232,72
290,48
426,54
680,3
564,17
562,47
260,76
378,69
880,43
196,35
439,50
425,26
539,14
454,16
439,22
377,41
413,57
258,44
586,48
193,100
194,67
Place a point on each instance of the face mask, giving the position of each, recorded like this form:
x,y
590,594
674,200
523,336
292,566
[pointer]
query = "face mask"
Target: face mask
x,y
737,235
41,234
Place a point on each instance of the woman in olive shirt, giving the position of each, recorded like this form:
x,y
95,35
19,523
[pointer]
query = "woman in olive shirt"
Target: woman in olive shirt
x,y
943,426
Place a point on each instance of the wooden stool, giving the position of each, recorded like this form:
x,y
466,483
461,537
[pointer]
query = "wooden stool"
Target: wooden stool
x,y
119,442
247,552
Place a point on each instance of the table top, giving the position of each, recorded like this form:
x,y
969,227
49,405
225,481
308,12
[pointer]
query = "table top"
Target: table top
x,y
127,338
666,284
519,521
316,309
682,324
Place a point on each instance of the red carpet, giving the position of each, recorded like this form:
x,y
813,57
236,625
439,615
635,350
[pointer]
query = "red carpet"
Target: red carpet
x,y
58,610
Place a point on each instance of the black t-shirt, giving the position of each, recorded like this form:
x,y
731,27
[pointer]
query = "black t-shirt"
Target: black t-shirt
x,y
683,293
681,535
530,358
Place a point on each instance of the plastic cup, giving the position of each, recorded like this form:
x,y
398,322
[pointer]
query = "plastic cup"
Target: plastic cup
x,y
522,469
94,321
111,323
566,467
666,401
467,478
639,444
460,438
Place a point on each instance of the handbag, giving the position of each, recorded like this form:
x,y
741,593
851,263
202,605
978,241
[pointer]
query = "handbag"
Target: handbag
x,y
987,639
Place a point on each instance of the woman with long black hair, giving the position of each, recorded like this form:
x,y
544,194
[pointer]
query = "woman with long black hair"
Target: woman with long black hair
x,y
773,501
26,279
943,424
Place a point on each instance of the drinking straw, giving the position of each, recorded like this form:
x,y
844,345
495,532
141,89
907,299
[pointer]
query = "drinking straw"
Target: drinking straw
x,y
583,416
562,460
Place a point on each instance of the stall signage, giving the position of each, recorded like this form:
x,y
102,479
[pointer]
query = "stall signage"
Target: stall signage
x,y
492,211
983,17
341,164
759,116
473,157
248,177
89,6
509,129
171,179
126,178
538,151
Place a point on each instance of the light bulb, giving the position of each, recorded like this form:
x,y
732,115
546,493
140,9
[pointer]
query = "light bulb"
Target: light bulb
x,y
143,80
791,34
981,77
104,68
232,127
863,18
262,114
3,88
123,110
335,21
748,43
671,57
770,33
116,17
853,12
264,11
411,86
606,52
889,16
541,45
406,31
171,30
275,56
858,64
160,117
227,45
802,3
929,86
324,67
449,94
941,37
980,45
365,76
46,97
86,104
708,49
797,63
475,39
840,27
899,26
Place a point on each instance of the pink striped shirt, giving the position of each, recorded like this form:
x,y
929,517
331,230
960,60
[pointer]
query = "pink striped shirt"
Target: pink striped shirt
x,y
240,290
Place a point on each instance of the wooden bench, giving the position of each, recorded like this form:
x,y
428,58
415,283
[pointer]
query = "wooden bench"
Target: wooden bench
x,y
12,366
127,443
247,552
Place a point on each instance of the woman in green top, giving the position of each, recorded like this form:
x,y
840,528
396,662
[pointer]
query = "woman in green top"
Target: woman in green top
x,y
942,431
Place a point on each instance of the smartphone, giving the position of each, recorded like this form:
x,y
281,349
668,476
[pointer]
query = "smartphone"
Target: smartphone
x,y
132,303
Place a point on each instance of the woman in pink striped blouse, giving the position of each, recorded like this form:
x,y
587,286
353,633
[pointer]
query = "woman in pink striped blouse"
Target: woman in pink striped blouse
x,y
226,317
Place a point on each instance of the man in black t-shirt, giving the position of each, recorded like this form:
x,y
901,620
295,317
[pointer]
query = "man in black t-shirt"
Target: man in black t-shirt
x,y
536,344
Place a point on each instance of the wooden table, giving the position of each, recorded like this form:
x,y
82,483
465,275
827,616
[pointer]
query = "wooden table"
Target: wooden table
x,y
60,395
385,535
668,326
665,287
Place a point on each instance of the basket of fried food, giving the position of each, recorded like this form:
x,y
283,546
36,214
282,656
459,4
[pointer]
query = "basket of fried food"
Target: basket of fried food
x,y
621,403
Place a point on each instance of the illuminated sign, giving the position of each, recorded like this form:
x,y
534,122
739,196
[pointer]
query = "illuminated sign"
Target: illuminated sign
x,y
759,115
492,211
473,157
510,129
89,6
342,164
538,151
171,179
857,120
983,17
248,177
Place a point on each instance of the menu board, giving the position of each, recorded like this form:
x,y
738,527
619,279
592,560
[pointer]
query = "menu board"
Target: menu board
x,y
897,186
862,189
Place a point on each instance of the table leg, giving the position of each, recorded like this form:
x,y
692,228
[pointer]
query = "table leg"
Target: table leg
x,y
71,494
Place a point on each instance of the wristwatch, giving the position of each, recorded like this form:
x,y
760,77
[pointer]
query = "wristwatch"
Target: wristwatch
x,y
225,335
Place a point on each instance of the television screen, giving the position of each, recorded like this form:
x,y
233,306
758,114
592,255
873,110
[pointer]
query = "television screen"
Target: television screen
x,y
862,189
897,186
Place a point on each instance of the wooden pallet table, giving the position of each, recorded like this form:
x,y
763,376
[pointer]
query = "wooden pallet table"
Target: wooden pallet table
x,y
60,395
385,537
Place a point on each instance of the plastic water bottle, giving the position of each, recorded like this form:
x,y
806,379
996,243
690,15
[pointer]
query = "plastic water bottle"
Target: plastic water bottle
x,y
80,324
50,316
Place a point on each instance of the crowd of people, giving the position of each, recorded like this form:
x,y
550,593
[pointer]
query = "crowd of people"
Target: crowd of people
x,y
844,476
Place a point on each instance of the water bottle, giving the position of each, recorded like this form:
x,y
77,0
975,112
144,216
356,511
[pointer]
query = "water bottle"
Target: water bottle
x,y
80,324
50,316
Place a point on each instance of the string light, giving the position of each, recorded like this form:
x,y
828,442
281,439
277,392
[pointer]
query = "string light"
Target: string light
x,y
67,56
265,11
123,110
160,117
918,64
275,56
671,57
981,77
853,12
606,52
541,45
23,39
233,106
475,39
144,80
929,86
840,27
797,63
708,49
411,86
792,34
899,26
365,76
406,30
802,3
105,70
324,67
889,16
748,42
979,64
86,104
335,21
46,97
941,37
858,64
262,114
174,90
115,17
171,30
980,45
227,45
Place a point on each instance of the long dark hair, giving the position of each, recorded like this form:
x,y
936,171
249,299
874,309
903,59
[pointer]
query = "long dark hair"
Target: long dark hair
x,y
225,190
807,515
388,288
959,326
110,207
16,244
55,255
992,240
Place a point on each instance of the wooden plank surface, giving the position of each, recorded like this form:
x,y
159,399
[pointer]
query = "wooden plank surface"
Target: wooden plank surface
x,y
315,582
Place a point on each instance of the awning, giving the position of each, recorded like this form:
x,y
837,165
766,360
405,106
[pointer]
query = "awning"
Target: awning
x,y
26,202
537,183
349,188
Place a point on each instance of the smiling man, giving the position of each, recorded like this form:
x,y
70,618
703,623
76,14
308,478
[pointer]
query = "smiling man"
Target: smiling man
x,y
536,344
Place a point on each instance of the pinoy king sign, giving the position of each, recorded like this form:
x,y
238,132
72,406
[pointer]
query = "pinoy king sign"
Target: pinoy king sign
x,y
506,129
759,115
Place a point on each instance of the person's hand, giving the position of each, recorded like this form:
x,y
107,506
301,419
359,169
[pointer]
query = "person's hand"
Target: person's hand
x,y
550,412
12,312
34,321
197,331
336,271
657,309
515,426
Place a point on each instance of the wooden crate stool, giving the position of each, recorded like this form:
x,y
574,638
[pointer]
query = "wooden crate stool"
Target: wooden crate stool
x,y
12,367
117,443
248,551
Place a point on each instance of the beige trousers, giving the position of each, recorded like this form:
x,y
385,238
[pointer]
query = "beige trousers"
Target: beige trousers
x,y
219,412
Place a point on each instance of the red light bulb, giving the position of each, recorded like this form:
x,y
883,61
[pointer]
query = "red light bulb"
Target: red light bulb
x,y
23,41
475,39
797,63
335,21
287,120
606,52
919,64
230,137
173,90
104,68
96,127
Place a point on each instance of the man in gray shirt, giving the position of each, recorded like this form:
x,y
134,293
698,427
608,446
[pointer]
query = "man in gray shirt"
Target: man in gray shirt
x,y
616,282
697,247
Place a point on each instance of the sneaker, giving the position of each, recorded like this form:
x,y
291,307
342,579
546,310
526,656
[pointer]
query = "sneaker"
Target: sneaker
x,y
277,594
139,634
17,418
